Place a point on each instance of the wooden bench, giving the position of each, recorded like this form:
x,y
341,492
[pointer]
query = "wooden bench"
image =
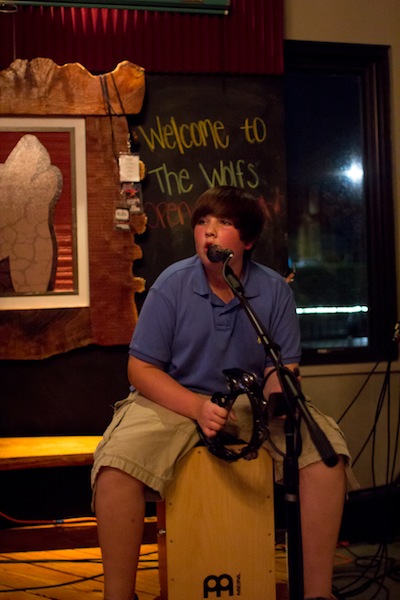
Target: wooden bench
x,y
50,451
17,453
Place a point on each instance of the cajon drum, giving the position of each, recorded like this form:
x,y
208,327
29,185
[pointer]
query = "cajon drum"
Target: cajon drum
x,y
217,536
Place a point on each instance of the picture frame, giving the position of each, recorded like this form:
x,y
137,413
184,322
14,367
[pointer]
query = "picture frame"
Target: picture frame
x,y
36,154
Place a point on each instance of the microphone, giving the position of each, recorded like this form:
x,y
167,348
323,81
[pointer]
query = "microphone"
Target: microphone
x,y
217,254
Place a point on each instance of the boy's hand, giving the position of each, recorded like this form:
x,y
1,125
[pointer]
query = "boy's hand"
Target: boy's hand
x,y
212,418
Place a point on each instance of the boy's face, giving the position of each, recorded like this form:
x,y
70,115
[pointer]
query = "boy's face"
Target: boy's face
x,y
219,231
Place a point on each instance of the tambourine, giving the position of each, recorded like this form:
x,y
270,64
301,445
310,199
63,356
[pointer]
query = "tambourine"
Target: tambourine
x,y
239,382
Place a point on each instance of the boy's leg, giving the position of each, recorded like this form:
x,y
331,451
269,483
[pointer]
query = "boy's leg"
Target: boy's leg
x,y
120,512
322,494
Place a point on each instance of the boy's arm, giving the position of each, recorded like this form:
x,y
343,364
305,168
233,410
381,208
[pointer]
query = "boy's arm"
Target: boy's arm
x,y
153,383
273,385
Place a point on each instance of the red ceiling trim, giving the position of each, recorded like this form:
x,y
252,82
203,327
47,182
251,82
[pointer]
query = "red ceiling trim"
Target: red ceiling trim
x,y
249,40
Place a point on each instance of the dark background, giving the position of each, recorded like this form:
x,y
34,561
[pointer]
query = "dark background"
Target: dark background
x,y
72,393
257,167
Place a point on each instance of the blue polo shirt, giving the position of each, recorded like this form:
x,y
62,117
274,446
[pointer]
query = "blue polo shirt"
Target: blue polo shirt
x,y
186,330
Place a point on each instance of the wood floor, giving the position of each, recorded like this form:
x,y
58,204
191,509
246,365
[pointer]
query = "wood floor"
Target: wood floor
x,y
68,574
77,574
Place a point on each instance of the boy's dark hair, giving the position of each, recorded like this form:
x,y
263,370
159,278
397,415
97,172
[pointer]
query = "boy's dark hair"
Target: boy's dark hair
x,y
232,203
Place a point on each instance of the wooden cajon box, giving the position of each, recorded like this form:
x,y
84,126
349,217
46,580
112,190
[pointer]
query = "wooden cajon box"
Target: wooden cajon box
x,y
217,536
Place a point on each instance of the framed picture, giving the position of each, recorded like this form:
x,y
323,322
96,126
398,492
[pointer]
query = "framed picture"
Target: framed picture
x,y
43,213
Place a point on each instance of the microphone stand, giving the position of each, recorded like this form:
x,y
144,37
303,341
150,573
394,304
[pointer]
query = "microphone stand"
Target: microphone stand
x,y
295,410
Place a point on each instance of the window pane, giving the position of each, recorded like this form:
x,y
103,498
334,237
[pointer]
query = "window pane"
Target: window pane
x,y
327,208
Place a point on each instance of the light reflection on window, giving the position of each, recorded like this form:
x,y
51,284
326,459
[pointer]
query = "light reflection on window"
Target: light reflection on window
x,y
326,210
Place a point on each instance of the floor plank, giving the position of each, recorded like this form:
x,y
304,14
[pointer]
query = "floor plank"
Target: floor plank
x,y
27,575
69,574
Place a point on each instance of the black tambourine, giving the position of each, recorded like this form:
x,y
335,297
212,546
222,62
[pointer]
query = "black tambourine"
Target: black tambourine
x,y
239,382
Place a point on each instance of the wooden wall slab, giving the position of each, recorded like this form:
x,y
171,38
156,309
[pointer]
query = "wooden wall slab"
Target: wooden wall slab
x,y
40,87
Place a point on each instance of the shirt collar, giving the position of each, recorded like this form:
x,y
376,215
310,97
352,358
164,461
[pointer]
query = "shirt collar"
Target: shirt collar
x,y
251,285
200,283
201,287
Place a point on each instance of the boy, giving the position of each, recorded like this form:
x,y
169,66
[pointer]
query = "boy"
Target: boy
x,y
190,328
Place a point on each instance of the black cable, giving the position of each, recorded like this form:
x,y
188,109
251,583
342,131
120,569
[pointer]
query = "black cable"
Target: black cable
x,y
33,561
123,111
362,580
388,428
378,412
55,585
382,565
110,112
394,572
359,392
396,443
72,582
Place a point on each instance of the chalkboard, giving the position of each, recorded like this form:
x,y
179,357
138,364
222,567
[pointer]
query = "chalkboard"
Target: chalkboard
x,y
197,131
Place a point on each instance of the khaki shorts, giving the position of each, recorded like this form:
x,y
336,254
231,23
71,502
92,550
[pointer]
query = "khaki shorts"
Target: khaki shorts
x,y
146,440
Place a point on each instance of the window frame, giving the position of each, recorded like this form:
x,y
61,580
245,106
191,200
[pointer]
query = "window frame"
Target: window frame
x,y
371,63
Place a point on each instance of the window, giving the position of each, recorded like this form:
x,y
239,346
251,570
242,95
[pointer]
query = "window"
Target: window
x,y
340,206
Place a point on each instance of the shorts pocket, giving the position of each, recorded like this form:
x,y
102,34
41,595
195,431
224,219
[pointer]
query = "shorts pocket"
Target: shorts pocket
x,y
120,409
